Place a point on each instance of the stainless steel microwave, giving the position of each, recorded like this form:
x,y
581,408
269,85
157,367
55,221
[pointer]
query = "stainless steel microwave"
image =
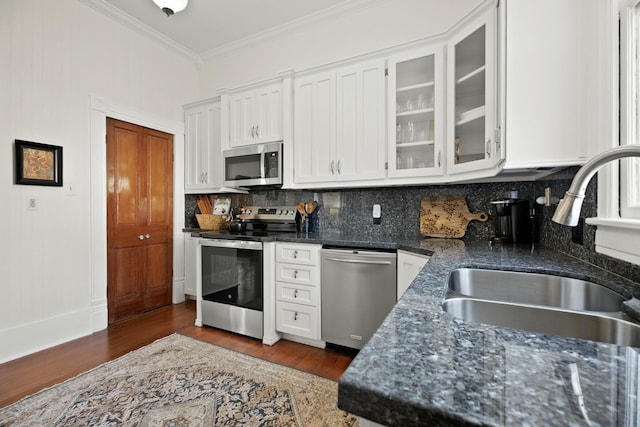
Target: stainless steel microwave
x,y
253,165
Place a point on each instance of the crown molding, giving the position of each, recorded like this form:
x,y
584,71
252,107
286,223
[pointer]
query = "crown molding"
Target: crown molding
x,y
276,31
129,21
142,28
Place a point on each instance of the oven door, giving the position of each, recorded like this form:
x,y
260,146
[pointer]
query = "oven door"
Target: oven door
x,y
231,288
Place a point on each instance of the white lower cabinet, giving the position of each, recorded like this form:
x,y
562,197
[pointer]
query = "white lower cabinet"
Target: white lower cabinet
x,y
297,319
298,290
190,264
409,265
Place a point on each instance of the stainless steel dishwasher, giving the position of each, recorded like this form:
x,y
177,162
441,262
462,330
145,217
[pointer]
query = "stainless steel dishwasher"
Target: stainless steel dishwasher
x,y
358,291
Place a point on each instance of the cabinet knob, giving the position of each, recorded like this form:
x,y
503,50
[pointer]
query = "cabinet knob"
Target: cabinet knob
x,y
141,237
147,236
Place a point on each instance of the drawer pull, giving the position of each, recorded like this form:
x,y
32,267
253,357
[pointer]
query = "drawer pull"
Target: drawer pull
x,y
295,254
295,274
295,293
295,315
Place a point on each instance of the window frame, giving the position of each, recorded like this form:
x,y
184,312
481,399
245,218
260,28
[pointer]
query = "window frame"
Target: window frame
x,y
617,236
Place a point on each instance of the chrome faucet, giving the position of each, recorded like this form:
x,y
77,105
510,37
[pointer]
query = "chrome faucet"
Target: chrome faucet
x,y
568,210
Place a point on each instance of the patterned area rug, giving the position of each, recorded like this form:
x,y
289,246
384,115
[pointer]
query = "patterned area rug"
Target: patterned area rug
x,y
180,381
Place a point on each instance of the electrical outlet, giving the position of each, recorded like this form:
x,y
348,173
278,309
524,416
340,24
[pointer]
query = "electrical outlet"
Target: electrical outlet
x,y
577,232
32,204
377,213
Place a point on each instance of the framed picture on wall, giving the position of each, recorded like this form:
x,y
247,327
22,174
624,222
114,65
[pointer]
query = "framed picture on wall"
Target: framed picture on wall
x,y
38,164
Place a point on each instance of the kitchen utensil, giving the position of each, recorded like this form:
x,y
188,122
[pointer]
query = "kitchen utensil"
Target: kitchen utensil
x,y
204,204
301,210
310,207
446,217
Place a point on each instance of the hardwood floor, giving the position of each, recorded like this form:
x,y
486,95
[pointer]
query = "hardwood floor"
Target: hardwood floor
x,y
29,374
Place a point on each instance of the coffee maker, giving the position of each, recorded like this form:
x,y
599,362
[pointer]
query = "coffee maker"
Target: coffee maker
x,y
512,220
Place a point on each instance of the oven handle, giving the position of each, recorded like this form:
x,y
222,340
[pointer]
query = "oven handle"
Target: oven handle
x,y
231,244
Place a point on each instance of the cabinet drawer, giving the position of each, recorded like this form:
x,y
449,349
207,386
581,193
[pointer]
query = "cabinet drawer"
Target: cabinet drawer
x,y
297,254
298,320
307,295
301,274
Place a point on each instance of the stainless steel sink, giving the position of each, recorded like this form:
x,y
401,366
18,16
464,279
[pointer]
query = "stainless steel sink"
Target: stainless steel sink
x,y
540,303
533,288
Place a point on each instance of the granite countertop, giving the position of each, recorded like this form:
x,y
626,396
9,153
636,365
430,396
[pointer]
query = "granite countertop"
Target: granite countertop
x,y
425,367
414,243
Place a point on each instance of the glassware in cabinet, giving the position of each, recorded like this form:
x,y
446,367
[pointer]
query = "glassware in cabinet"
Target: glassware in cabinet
x,y
414,84
471,143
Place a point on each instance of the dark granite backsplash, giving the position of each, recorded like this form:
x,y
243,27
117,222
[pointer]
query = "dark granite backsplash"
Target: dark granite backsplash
x,y
351,209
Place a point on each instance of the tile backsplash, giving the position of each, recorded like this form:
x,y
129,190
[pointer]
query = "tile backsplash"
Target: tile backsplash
x,y
352,209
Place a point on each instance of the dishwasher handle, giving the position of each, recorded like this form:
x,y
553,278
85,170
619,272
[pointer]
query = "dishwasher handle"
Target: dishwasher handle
x,y
359,261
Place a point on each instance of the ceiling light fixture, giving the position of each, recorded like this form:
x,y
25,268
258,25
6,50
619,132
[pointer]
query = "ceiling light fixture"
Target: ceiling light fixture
x,y
171,6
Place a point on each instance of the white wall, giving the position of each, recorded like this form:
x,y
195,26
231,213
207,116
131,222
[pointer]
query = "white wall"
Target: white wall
x,y
382,24
55,54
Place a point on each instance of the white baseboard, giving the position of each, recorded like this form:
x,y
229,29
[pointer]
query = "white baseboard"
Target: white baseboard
x,y
178,291
29,338
270,340
99,315
302,340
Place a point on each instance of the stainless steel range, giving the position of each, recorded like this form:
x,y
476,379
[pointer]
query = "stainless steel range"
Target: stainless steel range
x,y
230,294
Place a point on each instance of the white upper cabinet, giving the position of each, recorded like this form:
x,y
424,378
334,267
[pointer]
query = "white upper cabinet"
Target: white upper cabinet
x,y
315,128
256,115
416,112
360,150
203,155
339,130
471,95
554,60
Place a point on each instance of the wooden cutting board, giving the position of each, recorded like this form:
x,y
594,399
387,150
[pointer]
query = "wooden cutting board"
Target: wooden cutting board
x,y
446,217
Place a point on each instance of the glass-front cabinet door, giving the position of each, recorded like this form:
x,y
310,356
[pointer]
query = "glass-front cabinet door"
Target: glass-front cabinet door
x,y
416,125
471,114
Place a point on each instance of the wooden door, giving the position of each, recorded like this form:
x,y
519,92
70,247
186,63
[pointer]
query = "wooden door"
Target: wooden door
x,y
139,219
